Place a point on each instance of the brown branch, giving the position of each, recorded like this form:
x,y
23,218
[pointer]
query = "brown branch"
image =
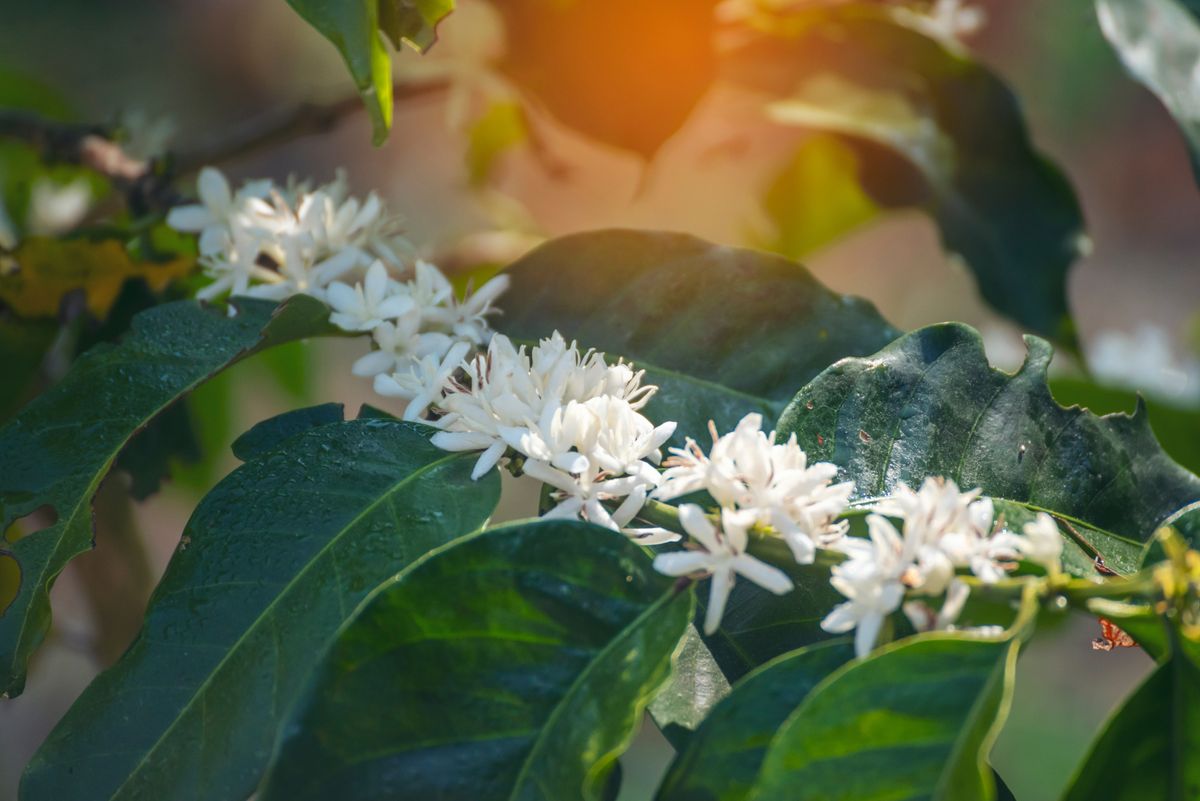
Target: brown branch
x,y
147,184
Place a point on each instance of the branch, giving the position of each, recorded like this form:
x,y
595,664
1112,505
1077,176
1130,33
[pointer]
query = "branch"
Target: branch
x,y
287,124
147,184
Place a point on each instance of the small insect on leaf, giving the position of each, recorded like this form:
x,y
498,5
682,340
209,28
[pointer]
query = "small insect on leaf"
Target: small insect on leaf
x,y
1111,636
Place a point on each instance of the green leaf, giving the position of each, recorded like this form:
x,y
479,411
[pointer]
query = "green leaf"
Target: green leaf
x,y
514,664
758,625
930,405
501,128
60,447
23,347
1158,41
722,760
273,432
1176,427
722,331
273,561
1151,746
914,720
935,130
413,22
817,198
626,73
356,28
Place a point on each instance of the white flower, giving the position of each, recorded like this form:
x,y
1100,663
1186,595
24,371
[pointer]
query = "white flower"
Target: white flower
x,y
924,618
724,557
301,239
746,469
507,392
366,305
426,380
55,209
947,528
1042,543
870,580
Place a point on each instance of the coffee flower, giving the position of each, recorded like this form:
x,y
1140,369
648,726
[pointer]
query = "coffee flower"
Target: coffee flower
x,y
772,481
720,552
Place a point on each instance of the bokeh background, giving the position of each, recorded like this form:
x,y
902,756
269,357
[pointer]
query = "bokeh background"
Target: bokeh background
x,y
207,66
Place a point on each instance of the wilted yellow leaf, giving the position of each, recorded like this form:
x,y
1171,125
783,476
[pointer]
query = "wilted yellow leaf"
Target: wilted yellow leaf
x,y
35,278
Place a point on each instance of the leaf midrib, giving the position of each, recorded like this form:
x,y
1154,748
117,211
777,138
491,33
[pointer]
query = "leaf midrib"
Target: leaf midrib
x,y
269,608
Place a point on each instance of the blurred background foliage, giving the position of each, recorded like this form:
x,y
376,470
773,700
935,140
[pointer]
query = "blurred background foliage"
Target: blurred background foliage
x,y
631,130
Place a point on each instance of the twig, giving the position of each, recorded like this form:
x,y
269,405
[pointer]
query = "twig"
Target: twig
x,y
147,184
284,125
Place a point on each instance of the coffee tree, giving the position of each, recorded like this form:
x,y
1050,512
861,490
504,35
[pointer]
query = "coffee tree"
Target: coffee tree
x,y
808,545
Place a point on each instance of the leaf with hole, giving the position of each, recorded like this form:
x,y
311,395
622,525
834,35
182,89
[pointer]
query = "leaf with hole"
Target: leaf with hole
x,y
109,395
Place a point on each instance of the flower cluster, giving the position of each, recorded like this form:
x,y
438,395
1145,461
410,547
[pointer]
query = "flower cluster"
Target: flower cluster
x,y
272,242
574,420
759,484
943,531
263,241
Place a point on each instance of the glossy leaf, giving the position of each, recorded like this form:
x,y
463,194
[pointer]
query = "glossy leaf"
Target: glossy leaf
x,y
930,405
931,129
273,432
1151,746
914,720
1159,43
273,561
623,72
511,665
722,331
1176,426
61,446
721,761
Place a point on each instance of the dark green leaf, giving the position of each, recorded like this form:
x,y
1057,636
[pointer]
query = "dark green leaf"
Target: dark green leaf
x,y
270,434
1159,43
273,561
932,129
511,665
58,450
1176,427
722,331
413,22
722,759
914,720
930,405
23,347
1151,747
624,72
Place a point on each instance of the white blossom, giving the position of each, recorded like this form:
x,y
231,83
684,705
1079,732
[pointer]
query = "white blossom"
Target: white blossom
x,y
748,470
366,305
723,557
942,531
425,382
870,580
55,209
